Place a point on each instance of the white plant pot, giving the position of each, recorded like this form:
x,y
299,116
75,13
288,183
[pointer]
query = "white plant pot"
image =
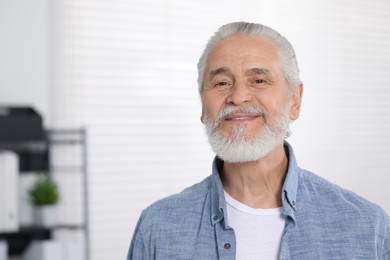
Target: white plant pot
x,y
45,216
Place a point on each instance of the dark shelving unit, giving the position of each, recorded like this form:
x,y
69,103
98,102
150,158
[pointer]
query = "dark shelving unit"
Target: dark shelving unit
x,y
35,155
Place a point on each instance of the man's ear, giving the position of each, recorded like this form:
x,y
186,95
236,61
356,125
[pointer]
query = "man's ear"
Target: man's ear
x,y
296,101
202,116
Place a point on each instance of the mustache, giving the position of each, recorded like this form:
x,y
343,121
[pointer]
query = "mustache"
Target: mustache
x,y
228,110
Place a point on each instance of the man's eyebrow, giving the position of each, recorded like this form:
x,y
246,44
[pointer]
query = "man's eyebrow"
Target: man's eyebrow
x,y
218,71
258,71
227,71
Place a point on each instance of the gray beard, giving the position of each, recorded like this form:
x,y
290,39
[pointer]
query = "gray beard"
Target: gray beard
x,y
238,148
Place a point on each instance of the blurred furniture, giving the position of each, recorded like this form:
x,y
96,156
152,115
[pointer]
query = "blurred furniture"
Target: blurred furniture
x,y
21,131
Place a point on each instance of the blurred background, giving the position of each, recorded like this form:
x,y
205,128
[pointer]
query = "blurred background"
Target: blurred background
x,y
101,96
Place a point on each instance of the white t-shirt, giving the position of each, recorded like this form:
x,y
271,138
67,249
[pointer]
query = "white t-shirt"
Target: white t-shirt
x,y
258,231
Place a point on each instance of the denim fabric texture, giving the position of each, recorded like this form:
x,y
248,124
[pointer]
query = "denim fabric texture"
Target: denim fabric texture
x,y
323,221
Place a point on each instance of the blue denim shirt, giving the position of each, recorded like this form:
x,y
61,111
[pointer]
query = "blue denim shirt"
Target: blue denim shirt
x,y
323,221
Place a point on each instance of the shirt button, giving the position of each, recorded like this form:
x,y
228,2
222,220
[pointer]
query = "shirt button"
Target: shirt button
x,y
215,217
227,246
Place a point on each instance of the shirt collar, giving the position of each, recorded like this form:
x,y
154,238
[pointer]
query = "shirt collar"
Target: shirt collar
x,y
290,186
218,202
289,191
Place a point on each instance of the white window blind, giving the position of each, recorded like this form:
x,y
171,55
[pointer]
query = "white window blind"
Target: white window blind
x,y
127,71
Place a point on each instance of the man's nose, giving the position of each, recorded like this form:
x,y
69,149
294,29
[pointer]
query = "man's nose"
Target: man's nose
x,y
239,94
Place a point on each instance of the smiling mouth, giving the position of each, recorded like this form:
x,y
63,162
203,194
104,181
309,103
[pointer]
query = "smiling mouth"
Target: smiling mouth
x,y
241,117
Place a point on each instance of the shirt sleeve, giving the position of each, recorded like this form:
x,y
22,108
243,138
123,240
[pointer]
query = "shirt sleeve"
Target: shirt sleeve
x,y
136,250
386,247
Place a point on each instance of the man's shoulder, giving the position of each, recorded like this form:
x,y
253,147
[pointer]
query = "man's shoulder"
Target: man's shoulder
x,y
179,205
340,219
319,192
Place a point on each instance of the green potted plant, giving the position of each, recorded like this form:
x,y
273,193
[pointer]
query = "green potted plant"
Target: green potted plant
x,y
44,196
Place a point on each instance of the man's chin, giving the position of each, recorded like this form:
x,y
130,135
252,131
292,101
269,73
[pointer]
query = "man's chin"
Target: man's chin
x,y
243,151
241,134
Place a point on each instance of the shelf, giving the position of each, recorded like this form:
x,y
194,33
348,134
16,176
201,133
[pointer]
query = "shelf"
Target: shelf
x,y
39,151
18,241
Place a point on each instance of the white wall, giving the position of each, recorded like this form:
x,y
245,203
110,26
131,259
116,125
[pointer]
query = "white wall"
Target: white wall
x,y
24,54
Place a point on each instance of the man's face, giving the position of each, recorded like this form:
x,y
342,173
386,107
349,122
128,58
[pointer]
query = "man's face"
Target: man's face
x,y
246,94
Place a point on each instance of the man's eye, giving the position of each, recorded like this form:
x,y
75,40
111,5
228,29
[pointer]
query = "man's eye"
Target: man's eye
x,y
221,84
259,81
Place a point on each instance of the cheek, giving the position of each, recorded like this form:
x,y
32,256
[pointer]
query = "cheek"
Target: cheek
x,y
275,104
211,106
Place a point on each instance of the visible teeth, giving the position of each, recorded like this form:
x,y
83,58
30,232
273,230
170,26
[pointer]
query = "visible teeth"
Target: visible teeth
x,y
239,118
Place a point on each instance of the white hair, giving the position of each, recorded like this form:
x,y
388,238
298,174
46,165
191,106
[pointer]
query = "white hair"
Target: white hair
x,y
286,52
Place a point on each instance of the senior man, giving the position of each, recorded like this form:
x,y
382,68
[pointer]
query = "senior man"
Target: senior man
x,y
257,203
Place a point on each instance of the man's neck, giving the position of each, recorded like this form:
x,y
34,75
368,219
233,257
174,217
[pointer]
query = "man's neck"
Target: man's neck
x,y
257,184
